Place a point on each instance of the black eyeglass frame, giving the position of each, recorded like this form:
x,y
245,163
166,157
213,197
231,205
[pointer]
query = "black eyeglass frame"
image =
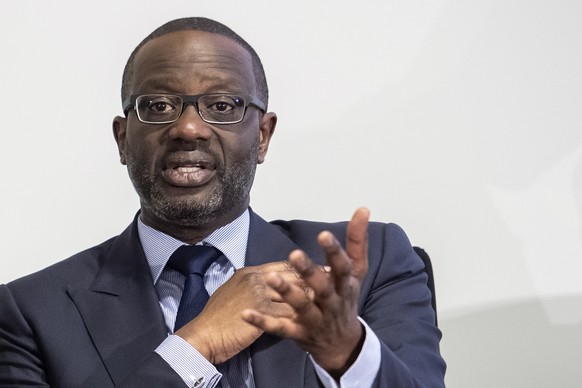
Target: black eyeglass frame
x,y
130,103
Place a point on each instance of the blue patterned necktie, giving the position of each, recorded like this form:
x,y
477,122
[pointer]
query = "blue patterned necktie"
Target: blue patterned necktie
x,y
192,261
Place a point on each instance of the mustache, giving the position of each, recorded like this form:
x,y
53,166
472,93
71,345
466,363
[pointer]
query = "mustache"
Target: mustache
x,y
198,152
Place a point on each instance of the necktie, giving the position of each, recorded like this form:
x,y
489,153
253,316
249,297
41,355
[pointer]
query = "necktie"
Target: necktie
x,y
192,261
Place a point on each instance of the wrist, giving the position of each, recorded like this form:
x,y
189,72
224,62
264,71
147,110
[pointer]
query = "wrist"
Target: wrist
x,y
337,363
198,341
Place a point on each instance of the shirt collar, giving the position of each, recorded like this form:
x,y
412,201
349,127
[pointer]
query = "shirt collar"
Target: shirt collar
x,y
231,239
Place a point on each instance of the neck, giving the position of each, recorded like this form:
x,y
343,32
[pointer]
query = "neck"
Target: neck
x,y
190,233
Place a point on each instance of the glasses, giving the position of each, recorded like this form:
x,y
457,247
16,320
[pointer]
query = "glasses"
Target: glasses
x,y
212,108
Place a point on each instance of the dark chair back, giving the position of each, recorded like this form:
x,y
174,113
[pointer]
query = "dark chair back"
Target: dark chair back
x,y
430,283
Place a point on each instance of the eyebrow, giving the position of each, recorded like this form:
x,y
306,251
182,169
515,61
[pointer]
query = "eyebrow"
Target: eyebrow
x,y
210,85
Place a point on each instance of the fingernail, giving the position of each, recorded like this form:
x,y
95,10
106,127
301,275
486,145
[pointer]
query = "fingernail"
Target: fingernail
x,y
326,239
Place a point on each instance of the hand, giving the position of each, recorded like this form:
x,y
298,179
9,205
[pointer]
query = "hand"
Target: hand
x,y
325,323
219,332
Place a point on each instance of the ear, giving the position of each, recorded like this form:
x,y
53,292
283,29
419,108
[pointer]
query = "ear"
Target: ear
x,y
267,128
119,131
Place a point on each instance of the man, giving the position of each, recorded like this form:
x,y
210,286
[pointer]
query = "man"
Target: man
x,y
289,306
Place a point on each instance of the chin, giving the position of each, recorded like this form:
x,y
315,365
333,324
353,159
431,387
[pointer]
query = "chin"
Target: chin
x,y
192,211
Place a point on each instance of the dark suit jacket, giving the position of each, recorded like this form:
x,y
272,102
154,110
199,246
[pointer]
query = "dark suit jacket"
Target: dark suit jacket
x,y
94,319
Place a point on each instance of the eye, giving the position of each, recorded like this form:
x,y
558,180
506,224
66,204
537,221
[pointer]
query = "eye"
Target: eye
x,y
221,103
221,106
160,105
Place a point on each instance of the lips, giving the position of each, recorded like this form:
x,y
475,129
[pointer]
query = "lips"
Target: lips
x,y
189,168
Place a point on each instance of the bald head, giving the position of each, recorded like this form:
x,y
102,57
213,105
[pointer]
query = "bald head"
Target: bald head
x,y
198,24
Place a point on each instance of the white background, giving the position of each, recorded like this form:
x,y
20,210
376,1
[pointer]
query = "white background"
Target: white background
x,y
459,120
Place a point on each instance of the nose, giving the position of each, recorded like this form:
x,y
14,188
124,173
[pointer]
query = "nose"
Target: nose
x,y
190,126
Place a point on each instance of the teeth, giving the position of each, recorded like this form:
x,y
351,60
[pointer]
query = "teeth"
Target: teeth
x,y
188,169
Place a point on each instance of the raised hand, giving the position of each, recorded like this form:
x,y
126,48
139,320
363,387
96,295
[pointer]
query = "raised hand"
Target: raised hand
x,y
219,332
325,320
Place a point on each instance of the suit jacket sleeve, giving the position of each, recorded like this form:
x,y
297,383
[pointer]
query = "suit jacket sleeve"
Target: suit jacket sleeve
x,y
396,304
92,320
20,360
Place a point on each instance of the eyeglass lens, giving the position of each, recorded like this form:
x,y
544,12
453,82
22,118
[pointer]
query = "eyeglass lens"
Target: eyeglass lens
x,y
218,108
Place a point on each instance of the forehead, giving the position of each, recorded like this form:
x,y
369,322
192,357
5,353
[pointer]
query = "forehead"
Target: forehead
x,y
192,62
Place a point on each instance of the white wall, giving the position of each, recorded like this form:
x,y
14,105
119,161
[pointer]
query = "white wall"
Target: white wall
x,y
459,120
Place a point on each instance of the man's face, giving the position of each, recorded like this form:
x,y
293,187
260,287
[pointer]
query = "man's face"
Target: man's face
x,y
190,173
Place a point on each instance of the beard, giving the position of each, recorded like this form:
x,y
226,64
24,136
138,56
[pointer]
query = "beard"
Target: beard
x,y
232,190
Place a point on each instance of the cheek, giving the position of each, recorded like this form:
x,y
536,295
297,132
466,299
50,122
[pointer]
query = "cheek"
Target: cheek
x,y
244,137
142,149
240,147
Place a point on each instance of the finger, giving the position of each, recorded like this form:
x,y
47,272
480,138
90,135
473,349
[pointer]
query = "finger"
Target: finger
x,y
357,242
296,296
286,270
291,275
340,263
312,274
278,310
281,327
283,268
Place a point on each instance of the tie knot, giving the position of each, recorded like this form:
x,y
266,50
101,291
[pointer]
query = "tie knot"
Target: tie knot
x,y
190,259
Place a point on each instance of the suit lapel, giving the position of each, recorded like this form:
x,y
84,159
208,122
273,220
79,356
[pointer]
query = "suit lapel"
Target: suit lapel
x,y
120,309
122,314
276,361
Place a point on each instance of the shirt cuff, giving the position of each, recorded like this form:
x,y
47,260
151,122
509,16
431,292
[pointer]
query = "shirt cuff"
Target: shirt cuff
x,y
363,371
188,363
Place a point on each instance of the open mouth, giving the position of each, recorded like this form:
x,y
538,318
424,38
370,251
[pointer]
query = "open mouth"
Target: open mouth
x,y
189,169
